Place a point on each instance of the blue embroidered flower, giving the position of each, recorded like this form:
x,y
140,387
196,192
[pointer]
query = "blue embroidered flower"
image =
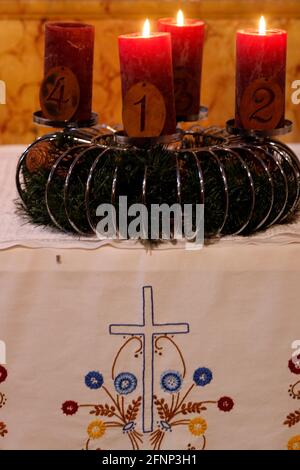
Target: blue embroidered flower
x,y
125,383
94,380
202,376
171,381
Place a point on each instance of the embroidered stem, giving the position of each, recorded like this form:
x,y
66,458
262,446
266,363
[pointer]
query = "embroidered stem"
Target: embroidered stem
x,y
113,424
115,403
138,436
177,400
207,402
155,437
122,406
160,441
204,442
172,404
93,406
121,349
176,347
134,444
184,397
87,444
179,422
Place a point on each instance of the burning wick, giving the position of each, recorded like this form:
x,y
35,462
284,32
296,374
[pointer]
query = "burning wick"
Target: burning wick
x,y
146,29
180,18
262,26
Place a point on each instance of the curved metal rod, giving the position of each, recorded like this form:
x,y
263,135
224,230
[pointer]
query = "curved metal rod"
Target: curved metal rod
x,y
144,186
88,187
178,181
251,184
44,138
201,179
289,158
52,173
67,184
206,150
288,150
265,168
270,156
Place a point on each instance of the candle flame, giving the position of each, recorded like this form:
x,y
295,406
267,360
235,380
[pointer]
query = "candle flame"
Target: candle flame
x,y
262,26
146,28
180,18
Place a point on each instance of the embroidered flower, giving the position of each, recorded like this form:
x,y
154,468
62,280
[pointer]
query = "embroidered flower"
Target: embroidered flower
x,y
69,407
197,426
3,374
225,404
294,443
94,380
96,429
171,381
202,376
294,365
125,383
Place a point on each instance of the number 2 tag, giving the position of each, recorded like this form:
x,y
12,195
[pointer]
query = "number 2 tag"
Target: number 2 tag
x,y
59,94
262,105
144,111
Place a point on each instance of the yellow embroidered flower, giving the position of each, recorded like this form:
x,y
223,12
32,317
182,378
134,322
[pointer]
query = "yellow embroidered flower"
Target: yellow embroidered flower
x,y
294,443
197,426
96,429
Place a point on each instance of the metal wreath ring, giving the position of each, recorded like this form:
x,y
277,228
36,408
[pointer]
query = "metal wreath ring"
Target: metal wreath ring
x,y
274,161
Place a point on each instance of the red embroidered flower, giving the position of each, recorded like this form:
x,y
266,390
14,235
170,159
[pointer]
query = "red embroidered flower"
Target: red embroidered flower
x,y
3,374
70,407
225,404
294,365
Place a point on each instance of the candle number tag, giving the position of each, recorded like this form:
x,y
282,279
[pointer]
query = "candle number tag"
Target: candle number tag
x,y
144,111
59,94
262,105
185,87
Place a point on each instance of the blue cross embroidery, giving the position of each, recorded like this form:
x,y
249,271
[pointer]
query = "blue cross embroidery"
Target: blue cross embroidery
x,y
148,330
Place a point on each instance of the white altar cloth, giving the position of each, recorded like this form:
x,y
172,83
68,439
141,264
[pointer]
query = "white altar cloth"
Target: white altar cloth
x,y
202,358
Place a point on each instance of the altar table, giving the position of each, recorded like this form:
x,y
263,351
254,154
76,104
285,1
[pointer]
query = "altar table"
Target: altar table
x,y
111,348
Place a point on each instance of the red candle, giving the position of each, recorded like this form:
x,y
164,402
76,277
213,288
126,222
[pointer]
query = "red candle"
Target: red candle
x,y
260,78
66,92
187,51
147,84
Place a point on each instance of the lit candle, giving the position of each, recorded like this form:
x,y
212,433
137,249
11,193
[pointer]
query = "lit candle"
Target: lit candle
x,y
187,50
66,92
147,83
260,78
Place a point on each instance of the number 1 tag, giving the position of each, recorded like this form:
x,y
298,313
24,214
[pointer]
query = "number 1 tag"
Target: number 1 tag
x,y
59,94
144,111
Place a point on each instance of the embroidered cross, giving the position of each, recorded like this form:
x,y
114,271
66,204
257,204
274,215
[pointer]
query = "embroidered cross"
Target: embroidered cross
x,y
148,330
